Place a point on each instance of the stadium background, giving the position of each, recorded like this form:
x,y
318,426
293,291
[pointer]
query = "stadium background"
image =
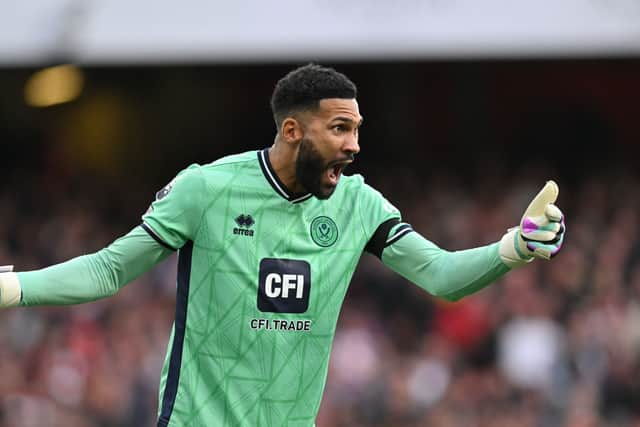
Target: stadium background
x,y
458,141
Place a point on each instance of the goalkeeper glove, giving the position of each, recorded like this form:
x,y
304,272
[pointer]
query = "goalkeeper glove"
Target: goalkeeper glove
x,y
10,291
540,233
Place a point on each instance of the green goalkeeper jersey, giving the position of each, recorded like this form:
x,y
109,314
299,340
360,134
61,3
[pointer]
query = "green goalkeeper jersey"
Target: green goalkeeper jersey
x,y
262,274
261,277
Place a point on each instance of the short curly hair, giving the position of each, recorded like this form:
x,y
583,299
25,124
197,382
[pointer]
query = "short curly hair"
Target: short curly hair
x,y
303,88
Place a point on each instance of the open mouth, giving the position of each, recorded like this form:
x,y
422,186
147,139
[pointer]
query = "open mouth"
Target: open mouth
x,y
334,171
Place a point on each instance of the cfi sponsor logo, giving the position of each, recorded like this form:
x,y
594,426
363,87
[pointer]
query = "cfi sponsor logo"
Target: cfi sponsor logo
x,y
284,285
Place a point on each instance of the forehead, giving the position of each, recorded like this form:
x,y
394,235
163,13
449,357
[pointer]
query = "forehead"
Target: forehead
x,y
333,107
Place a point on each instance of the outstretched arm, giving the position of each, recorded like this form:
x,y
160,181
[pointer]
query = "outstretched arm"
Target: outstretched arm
x,y
453,275
85,278
170,222
449,275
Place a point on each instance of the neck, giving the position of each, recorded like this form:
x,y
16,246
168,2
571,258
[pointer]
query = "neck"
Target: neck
x,y
283,161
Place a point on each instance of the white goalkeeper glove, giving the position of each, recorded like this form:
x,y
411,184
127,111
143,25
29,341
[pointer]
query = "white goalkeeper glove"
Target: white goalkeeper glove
x,y
540,233
10,290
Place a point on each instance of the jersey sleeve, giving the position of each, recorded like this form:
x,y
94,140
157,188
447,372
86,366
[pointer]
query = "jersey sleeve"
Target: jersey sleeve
x,y
446,274
90,277
175,215
382,221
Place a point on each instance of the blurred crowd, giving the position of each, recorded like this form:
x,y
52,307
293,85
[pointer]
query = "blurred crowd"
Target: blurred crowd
x,y
552,344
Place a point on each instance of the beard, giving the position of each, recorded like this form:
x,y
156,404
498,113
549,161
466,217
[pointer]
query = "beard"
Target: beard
x,y
310,168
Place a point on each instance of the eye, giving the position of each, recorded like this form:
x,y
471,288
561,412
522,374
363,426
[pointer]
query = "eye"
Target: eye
x,y
339,128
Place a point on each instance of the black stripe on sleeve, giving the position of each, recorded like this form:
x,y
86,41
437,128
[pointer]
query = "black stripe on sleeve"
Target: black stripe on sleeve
x,y
180,324
378,241
401,231
157,238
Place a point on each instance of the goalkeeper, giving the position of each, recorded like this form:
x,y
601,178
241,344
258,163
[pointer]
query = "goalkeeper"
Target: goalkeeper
x,y
268,241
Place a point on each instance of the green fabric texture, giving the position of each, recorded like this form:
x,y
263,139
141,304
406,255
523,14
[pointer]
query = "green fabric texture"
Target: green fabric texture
x,y
449,275
262,275
187,197
91,277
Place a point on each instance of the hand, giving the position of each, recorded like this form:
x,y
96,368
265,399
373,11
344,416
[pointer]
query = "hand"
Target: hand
x,y
10,290
540,233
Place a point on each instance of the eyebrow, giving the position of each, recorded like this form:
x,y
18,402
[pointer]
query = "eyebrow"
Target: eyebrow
x,y
348,119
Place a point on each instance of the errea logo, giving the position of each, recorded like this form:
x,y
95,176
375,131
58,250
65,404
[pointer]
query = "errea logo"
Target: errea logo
x,y
245,222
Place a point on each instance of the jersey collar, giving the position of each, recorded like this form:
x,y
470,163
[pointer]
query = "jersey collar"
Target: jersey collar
x,y
272,178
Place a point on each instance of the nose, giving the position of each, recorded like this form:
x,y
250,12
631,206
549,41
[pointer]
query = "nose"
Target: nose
x,y
351,145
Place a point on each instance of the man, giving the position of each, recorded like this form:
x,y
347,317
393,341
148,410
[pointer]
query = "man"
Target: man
x,y
268,241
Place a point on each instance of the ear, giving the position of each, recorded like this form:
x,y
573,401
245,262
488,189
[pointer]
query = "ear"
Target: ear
x,y
291,130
